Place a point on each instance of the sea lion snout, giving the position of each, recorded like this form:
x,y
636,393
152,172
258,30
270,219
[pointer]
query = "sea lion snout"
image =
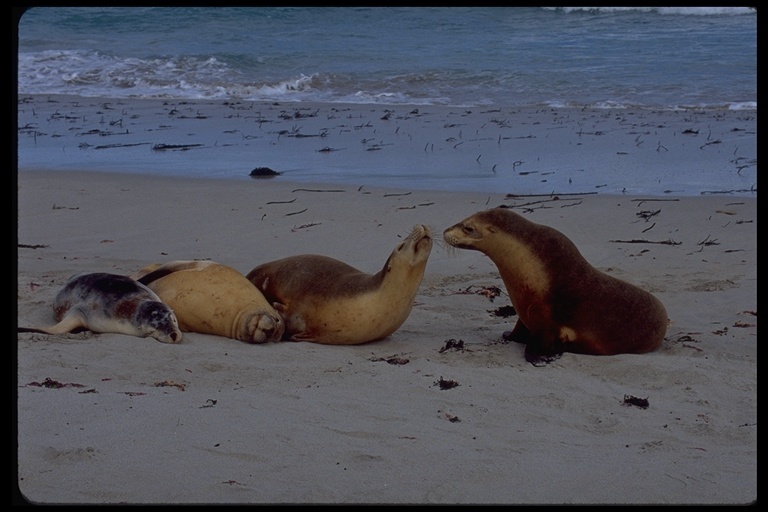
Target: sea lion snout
x,y
262,328
422,235
171,337
421,231
419,241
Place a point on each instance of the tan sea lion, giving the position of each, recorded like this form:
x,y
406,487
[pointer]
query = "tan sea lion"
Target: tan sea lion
x,y
564,304
324,300
211,298
102,302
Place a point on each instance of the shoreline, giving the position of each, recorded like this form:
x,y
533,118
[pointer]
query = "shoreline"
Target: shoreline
x,y
515,150
303,423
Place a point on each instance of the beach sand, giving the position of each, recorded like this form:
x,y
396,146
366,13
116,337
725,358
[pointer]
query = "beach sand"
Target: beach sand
x,y
109,418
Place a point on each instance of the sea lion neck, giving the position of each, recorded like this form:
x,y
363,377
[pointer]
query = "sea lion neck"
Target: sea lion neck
x,y
378,278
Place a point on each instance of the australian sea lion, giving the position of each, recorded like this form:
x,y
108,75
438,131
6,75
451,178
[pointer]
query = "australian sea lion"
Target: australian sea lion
x,y
211,298
324,300
102,302
563,303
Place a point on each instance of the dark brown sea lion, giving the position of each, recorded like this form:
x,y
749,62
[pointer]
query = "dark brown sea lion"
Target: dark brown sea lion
x,y
564,303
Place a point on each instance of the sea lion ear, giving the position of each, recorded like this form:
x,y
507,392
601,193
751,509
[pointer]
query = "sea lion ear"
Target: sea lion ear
x,y
492,228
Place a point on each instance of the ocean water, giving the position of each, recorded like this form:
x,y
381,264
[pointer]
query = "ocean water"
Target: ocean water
x,y
639,57
501,61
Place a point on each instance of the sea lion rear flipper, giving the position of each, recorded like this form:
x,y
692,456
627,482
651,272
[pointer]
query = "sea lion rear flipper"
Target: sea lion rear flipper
x,y
31,329
156,271
144,271
69,323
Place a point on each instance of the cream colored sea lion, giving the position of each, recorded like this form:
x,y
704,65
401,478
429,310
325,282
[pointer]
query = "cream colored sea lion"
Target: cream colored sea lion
x,y
211,298
324,300
102,302
564,304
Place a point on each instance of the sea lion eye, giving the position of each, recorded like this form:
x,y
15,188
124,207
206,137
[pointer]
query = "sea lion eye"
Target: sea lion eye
x,y
467,229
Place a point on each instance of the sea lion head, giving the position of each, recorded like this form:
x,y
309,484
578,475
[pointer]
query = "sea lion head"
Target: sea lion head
x,y
413,251
469,233
476,231
159,321
261,327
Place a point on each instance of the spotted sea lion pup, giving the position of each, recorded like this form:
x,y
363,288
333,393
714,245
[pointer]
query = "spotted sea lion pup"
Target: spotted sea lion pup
x,y
324,300
563,303
102,302
211,298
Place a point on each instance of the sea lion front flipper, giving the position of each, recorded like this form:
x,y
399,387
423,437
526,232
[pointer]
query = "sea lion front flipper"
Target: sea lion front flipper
x,y
280,307
538,357
302,336
293,324
519,334
542,350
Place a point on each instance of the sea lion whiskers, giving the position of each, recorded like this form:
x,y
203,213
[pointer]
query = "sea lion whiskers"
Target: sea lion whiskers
x,y
438,241
417,232
449,249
